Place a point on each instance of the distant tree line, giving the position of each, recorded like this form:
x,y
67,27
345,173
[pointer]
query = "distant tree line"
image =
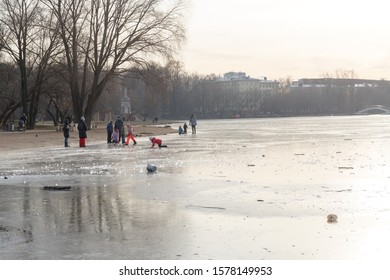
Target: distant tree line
x,y
168,91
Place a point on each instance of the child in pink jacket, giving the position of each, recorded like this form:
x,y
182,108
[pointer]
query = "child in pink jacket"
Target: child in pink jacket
x,y
115,136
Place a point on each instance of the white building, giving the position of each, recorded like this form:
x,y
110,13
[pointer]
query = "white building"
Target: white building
x,y
239,82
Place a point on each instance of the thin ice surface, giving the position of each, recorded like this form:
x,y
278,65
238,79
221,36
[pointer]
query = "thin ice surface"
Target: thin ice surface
x,y
239,189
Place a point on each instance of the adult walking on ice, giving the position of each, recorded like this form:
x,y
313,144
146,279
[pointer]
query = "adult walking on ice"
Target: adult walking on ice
x,y
193,123
82,128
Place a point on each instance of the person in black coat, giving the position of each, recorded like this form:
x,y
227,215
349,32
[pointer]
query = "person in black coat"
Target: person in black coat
x,y
119,125
82,128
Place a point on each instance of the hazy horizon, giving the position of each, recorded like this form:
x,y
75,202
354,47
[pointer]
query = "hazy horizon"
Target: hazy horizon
x,y
281,38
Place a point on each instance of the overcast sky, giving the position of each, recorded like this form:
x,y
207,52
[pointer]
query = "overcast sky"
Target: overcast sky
x,y
280,38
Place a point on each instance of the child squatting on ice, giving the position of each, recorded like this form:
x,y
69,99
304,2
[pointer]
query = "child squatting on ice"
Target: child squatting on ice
x,y
157,141
115,136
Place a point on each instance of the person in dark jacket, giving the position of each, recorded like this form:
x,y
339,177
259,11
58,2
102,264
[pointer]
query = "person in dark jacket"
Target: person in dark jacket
x,y
119,125
110,130
23,122
193,123
82,128
66,132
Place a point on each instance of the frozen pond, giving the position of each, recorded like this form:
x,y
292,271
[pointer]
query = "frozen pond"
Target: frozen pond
x,y
239,189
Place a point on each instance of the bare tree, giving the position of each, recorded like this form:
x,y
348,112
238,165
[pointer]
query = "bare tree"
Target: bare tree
x,y
174,71
155,90
18,18
107,36
55,98
9,93
28,41
284,84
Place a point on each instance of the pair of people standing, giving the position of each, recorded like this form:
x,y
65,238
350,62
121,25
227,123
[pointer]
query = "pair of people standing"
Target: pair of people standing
x,y
81,127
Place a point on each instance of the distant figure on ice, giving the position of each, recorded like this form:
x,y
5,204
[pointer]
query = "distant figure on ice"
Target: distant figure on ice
x,y
130,134
82,128
110,130
22,122
193,123
155,120
66,130
157,141
185,127
181,131
68,119
115,136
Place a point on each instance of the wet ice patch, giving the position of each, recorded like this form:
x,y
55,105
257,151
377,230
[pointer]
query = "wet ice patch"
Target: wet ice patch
x,y
10,235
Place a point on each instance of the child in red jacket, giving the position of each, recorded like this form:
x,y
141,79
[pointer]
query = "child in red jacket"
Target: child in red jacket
x,y
157,141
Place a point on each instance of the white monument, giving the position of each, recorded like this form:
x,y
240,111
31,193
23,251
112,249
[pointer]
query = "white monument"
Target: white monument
x,y
125,104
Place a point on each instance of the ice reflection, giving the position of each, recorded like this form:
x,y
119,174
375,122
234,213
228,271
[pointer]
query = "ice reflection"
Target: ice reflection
x,y
83,218
230,191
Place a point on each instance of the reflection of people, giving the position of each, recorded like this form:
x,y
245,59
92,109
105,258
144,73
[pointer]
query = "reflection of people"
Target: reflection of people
x,y
110,130
157,141
82,128
130,134
185,126
66,132
193,123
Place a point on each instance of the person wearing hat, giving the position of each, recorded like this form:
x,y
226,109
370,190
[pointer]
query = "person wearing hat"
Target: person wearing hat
x,y
157,141
82,128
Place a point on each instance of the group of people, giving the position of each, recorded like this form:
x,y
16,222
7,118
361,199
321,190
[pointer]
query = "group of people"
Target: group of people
x,y
81,127
193,123
118,131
